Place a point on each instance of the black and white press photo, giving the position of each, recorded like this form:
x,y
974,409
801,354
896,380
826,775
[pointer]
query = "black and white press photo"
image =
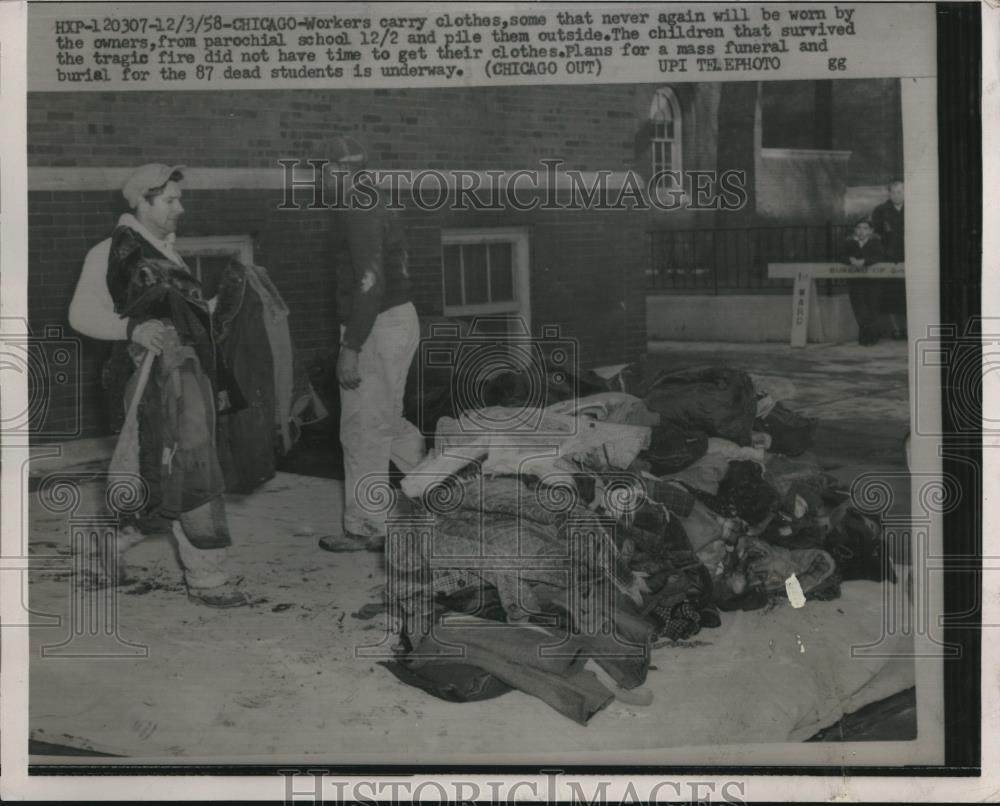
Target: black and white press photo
x,y
509,386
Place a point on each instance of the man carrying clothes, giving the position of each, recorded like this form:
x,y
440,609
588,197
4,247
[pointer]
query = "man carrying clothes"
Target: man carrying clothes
x,y
379,337
887,221
864,249
166,373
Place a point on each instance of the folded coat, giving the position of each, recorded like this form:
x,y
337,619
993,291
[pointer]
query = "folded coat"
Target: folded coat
x,y
246,439
525,657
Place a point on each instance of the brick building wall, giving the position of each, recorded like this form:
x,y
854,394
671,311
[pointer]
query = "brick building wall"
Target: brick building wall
x,y
822,142
863,116
586,266
590,126
868,120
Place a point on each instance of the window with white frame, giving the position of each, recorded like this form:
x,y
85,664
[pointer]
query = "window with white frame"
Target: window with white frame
x,y
485,272
206,257
665,117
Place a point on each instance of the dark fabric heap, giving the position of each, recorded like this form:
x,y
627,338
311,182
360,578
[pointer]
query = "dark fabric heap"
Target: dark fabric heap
x,y
561,591
719,402
791,433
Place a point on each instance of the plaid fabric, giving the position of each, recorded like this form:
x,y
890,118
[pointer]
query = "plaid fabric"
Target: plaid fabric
x,y
447,581
674,497
680,621
417,598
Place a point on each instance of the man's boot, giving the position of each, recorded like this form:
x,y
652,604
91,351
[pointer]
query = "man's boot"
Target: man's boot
x,y
222,596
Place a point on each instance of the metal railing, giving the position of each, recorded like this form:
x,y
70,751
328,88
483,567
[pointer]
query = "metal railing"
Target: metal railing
x,y
729,259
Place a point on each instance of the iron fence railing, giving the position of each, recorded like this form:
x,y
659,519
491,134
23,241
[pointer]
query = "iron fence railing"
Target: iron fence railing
x,y
714,260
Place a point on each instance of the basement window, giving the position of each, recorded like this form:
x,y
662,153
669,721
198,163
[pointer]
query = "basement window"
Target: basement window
x,y
485,272
207,257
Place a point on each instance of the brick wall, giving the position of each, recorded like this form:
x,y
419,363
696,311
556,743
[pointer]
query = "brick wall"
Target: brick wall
x,y
590,127
586,266
868,120
865,118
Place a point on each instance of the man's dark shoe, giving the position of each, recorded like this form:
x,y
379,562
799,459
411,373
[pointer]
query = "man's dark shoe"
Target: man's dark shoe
x,y
348,541
221,597
868,337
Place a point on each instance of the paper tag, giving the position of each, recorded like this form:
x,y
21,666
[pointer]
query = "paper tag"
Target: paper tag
x,y
794,591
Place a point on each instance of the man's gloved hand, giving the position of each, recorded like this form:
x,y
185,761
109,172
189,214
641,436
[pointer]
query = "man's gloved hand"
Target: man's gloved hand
x,y
348,374
150,335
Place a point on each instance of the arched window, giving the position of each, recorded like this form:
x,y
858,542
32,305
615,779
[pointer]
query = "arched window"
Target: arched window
x,y
665,116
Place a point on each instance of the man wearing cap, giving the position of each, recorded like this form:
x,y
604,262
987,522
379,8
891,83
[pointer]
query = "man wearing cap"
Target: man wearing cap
x,y
379,337
136,291
864,248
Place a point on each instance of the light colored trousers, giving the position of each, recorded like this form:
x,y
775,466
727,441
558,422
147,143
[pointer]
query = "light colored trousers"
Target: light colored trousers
x,y
373,430
203,568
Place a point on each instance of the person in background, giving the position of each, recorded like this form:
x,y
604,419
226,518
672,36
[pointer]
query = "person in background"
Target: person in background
x,y
135,290
888,221
864,248
380,333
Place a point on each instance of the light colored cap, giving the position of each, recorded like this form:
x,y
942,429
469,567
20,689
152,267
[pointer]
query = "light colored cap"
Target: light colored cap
x,y
347,149
146,178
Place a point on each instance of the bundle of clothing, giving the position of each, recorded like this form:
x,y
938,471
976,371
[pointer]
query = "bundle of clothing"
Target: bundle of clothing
x,y
250,323
745,456
517,540
547,548
209,414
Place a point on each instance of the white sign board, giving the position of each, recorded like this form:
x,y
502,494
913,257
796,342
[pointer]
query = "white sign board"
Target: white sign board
x,y
805,273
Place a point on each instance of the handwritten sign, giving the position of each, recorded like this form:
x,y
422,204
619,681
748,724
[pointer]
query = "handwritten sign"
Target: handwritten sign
x,y
805,275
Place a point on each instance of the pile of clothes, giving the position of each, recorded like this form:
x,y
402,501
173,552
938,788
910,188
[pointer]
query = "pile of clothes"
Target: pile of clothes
x,y
211,412
250,328
547,548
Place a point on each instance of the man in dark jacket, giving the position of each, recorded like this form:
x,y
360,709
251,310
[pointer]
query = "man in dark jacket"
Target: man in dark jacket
x,y
379,337
864,249
887,221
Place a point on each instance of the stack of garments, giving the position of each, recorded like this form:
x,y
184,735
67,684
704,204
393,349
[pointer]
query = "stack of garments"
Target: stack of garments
x,y
546,549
